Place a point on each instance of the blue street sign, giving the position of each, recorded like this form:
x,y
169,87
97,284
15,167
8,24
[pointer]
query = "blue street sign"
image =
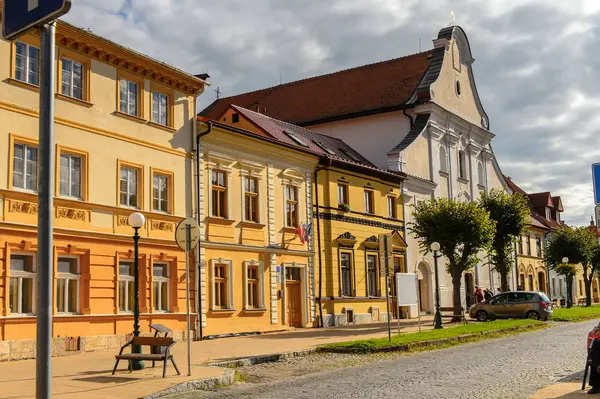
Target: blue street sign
x,y
18,16
596,180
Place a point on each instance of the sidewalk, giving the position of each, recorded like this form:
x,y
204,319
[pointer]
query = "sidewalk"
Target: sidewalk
x,y
89,374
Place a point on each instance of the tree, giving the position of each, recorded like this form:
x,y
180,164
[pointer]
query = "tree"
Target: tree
x,y
569,271
511,214
462,230
579,245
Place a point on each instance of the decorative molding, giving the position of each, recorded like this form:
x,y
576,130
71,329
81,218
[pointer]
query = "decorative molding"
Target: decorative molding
x,y
70,213
372,239
364,222
346,236
23,207
162,226
122,220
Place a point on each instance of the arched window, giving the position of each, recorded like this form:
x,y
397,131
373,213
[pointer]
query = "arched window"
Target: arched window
x,y
462,165
443,160
480,174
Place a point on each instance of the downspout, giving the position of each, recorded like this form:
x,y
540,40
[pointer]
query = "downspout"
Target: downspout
x,y
317,170
516,268
410,118
547,268
198,258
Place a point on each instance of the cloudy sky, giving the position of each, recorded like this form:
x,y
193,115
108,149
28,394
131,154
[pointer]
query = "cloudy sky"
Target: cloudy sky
x,y
536,67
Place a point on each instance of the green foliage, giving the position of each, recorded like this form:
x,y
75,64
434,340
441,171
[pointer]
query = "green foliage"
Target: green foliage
x,y
576,243
511,214
566,269
576,314
462,230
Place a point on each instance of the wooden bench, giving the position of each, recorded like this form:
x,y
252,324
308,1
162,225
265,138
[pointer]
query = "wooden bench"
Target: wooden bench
x,y
448,313
581,302
160,351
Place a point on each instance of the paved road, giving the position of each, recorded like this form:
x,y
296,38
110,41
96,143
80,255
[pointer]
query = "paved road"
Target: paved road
x,y
511,367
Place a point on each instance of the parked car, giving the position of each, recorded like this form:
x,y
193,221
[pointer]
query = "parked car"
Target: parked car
x,y
511,305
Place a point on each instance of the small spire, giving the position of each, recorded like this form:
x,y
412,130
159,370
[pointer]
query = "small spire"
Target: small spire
x,y
451,18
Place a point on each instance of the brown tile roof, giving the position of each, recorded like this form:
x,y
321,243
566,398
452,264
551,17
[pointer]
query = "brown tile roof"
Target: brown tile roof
x,y
540,200
377,87
557,202
512,185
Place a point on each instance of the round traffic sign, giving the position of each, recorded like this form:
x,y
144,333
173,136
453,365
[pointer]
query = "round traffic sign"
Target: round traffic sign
x,y
181,233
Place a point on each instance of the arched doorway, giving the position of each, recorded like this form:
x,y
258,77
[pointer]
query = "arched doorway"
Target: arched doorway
x,y
469,289
542,282
424,287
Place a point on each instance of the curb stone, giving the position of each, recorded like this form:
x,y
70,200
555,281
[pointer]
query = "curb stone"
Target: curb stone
x,y
423,344
251,360
228,378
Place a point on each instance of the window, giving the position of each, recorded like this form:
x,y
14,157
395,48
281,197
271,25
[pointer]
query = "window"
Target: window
x,y
220,287
27,63
219,194
129,97
126,291
538,247
528,243
251,199
580,287
399,264
67,285
292,273
521,281
553,286
324,147
392,207
129,187
253,286
342,194
291,206
70,176
25,167
560,288
160,282
346,266
296,139
369,201
548,214
160,108
72,82
520,246
235,118
443,160
458,88
462,165
480,174
22,282
160,193
372,275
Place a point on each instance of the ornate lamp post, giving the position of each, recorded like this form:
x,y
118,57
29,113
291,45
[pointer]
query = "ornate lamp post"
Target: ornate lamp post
x,y
569,286
136,220
435,247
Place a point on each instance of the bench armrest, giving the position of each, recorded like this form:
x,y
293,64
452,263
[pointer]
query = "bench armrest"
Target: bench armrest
x,y
125,346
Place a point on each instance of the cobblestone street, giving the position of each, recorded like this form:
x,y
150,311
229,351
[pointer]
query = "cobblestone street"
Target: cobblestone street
x,y
510,367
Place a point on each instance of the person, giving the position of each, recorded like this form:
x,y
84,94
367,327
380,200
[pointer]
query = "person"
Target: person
x,y
478,294
595,361
487,294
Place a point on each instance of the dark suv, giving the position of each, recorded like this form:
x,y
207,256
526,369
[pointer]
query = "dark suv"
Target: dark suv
x,y
512,305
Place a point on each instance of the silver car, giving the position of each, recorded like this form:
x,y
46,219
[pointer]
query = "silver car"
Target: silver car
x,y
513,305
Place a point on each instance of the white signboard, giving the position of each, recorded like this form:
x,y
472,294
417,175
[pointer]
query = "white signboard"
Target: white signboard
x,y
406,289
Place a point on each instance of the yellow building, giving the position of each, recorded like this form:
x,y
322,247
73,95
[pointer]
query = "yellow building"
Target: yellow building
x,y
124,134
343,281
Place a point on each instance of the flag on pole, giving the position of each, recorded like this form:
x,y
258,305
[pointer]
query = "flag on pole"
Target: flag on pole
x,y
301,232
307,232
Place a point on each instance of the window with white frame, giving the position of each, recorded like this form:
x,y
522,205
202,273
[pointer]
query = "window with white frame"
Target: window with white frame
x,y
347,274
25,167
222,288
128,187
22,283
291,206
70,175
160,108
443,159
251,199
480,174
343,194
72,78
462,165
126,291
128,97
67,285
254,285
219,193
392,207
160,282
369,206
160,193
27,63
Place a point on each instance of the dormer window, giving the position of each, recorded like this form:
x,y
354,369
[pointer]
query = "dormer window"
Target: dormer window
x,y
296,139
548,214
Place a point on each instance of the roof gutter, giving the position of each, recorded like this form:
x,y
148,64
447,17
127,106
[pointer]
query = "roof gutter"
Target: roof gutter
x,y
410,118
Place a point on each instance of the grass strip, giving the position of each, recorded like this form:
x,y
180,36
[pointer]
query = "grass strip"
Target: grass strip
x,y
434,339
575,314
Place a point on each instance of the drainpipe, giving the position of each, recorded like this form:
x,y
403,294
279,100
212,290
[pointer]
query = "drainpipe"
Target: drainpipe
x,y
410,118
198,257
547,269
317,170
516,268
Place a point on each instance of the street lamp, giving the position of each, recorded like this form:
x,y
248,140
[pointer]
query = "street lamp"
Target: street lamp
x,y
569,289
136,220
435,247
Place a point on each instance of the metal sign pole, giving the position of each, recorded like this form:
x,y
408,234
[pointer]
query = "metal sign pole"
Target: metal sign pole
x,y
45,211
387,287
188,241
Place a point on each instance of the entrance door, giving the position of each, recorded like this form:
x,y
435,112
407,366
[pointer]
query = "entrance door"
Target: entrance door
x,y
531,288
293,295
541,282
469,290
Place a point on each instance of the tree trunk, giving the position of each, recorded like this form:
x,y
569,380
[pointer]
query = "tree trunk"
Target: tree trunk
x,y
569,291
456,300
503,270
587,283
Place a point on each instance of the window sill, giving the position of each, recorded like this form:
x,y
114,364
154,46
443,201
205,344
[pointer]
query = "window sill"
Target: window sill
x,y
74,100
218,220
481,186
163,127
130,117
288,229
463,180
252,225
222,310
22,84
445,174
255,310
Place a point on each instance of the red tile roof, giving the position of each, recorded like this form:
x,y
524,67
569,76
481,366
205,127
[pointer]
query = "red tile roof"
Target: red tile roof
x,y
367,89
540,200
513,186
